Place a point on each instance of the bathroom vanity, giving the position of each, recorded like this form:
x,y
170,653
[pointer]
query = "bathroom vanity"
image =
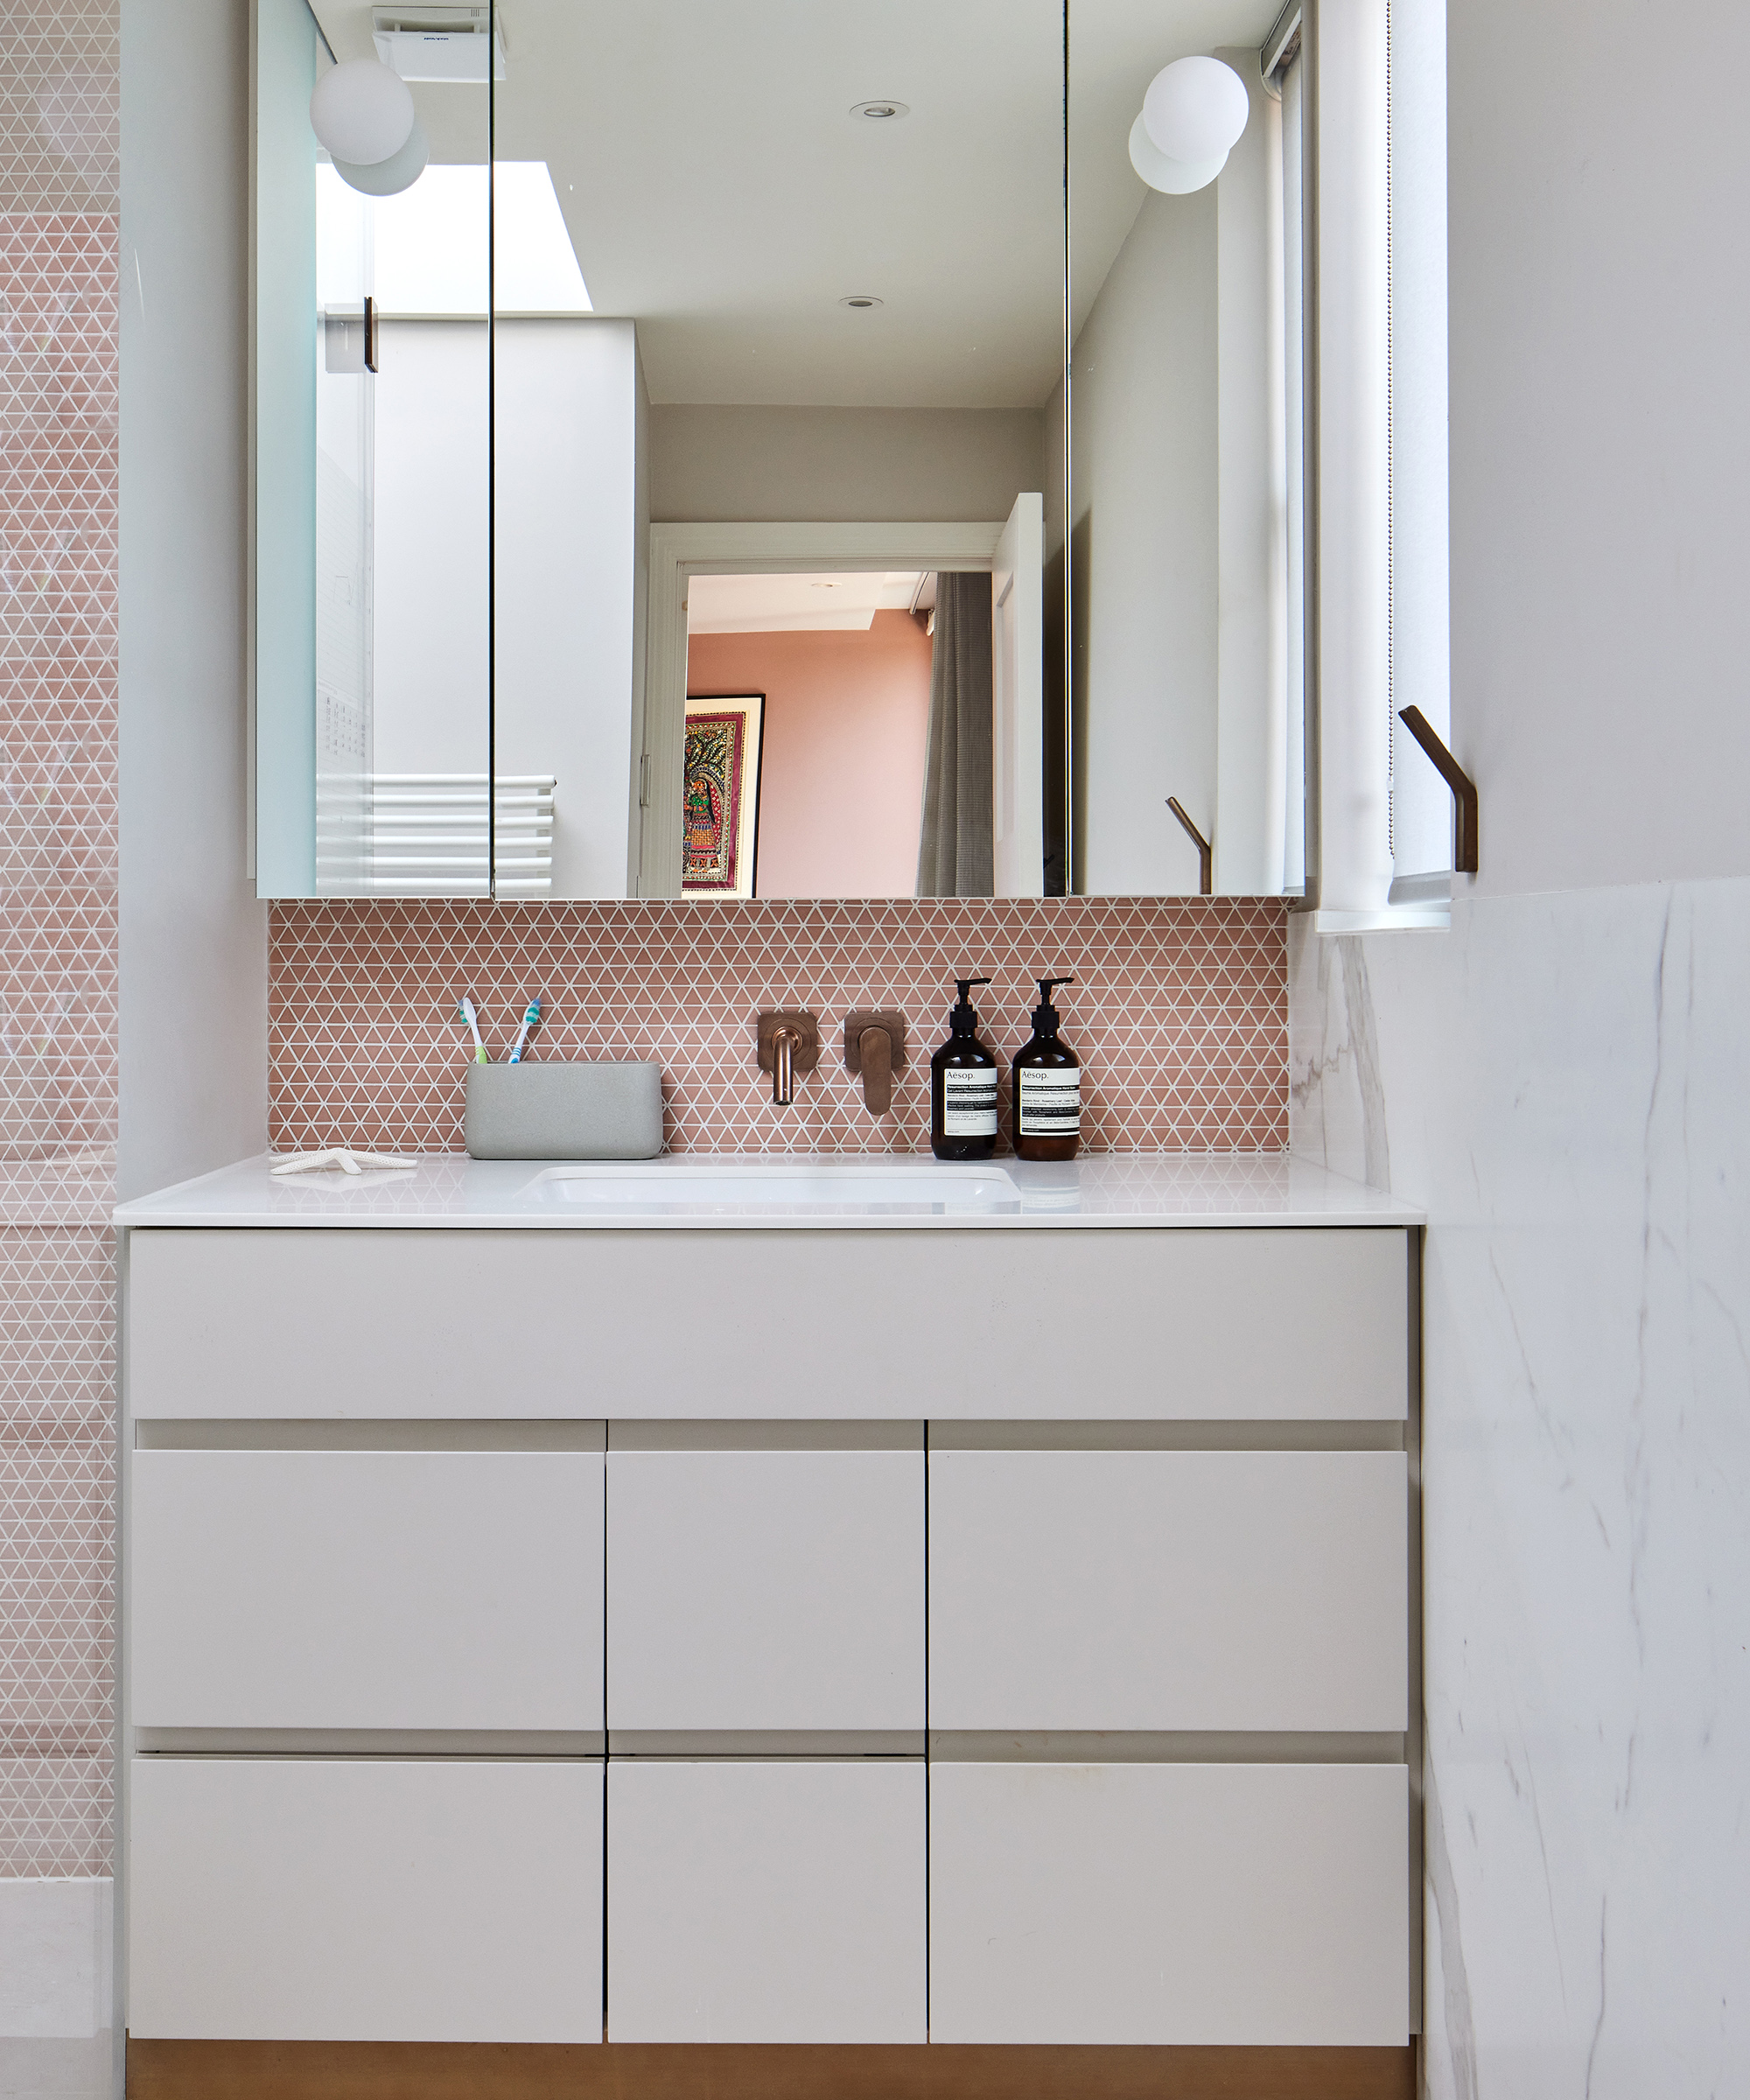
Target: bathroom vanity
x,y
772,1600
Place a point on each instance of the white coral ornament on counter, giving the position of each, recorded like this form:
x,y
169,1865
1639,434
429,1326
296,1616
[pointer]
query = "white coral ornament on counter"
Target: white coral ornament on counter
x,y
343,1157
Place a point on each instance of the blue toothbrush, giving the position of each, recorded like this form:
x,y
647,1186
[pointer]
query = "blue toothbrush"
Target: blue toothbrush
x,y
531,1020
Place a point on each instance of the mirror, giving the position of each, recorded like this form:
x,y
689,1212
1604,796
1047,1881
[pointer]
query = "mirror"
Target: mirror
x,y
1187,504
661,487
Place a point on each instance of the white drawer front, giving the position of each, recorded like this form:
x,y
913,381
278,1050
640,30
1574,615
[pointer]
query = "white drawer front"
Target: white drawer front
x,y
766,1590
766,1902
1207,1904
328,1899
300,1589
1168,1590
1277,1325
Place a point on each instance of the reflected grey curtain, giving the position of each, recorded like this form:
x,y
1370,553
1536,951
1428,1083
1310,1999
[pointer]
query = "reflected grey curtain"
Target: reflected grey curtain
x,y
954,847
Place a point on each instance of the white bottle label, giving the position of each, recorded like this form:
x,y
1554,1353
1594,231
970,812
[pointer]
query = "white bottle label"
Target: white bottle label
x,y
1050,1102
968,1102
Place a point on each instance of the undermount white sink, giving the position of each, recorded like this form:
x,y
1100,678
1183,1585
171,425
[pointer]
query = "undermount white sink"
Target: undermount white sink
x,y
703,1185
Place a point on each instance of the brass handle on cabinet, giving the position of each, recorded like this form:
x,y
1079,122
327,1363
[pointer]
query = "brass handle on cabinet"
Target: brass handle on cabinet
x,y
1206,852
1463,787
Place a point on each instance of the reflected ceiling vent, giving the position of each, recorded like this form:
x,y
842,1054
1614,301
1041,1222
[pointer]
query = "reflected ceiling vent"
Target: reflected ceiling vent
x,y
438,43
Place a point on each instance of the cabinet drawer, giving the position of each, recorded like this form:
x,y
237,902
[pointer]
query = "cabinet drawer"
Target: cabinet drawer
x,y
1274,1324
766,1902
346,1589
766,1590
340,1899
1168,1590
1207,1904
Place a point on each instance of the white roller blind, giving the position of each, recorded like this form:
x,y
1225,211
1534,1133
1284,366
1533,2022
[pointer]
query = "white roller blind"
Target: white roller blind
x,y
1421,802
1354,476
1294,464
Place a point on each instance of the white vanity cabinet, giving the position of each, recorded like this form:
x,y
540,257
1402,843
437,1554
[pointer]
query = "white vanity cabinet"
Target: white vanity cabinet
x,y
1169,1590
757,1589
956,1632
378,1898
754,1901
349,1589
1258,1903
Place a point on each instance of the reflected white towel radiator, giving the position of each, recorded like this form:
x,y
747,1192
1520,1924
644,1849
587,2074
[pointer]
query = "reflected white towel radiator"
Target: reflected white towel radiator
x,y
424,834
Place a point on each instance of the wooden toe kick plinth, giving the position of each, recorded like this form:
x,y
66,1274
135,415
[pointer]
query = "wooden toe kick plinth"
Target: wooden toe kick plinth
x,y
418,2070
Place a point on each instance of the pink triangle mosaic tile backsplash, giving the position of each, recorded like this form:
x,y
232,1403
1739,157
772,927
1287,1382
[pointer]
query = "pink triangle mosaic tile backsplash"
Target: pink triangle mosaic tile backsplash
x,y
1178,1011
60,258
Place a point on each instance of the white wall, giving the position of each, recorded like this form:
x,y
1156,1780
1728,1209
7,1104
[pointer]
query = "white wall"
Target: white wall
x,y
193,939
1145,521
1600,440
711,465
568,617
1252,605
1559,1079
431,652
1180,608
566,432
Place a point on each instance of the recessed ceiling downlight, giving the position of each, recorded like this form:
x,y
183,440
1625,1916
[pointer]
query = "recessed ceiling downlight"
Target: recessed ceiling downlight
x,y
859,299
883,110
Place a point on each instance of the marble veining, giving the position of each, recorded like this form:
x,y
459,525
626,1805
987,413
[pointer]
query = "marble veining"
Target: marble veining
x,y
1560,1083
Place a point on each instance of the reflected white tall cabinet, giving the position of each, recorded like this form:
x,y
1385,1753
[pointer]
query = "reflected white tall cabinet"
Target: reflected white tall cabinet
x,y
952,1630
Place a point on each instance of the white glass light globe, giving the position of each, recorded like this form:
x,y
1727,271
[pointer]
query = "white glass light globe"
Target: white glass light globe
x,y
362,112
1176,178
388,178
1195,108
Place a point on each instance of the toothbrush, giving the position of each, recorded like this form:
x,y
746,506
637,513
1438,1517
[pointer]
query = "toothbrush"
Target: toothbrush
x,y
531,1020
464,1011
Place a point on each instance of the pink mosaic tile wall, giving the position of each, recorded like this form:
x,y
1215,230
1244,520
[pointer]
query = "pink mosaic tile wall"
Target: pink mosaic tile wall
x,y
1178,1011
59,252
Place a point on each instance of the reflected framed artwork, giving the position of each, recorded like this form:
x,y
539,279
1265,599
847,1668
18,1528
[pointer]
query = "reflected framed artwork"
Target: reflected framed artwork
x,y
720,788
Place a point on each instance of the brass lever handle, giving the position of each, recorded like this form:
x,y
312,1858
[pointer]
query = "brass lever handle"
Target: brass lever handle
x,y
1206,852
875,1047
1463,787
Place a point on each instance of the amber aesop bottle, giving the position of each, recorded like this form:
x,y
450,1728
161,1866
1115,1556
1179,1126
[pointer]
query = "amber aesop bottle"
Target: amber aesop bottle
x,y
1047,1081
963,1076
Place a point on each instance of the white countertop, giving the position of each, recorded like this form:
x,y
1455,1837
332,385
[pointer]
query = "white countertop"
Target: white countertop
x,y
887,1191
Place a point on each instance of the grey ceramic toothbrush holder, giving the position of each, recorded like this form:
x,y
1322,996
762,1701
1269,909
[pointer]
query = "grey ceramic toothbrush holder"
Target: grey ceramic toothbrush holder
x,y
552,1111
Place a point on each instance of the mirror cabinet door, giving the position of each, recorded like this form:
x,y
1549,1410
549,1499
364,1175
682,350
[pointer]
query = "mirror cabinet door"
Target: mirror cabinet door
x,y
664,454
372,466
1187,554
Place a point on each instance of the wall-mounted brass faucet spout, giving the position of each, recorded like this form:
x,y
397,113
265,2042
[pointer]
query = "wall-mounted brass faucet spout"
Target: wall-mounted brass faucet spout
x,y
784,1041
789,1043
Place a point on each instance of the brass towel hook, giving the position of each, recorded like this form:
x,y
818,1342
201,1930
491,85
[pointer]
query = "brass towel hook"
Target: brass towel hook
x,y
1463,787
1206,852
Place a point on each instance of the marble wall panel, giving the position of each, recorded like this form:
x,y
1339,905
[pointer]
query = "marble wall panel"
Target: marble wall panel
x,y
1560,1080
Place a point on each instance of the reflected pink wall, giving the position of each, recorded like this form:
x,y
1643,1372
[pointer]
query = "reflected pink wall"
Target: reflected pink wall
x,y
842,784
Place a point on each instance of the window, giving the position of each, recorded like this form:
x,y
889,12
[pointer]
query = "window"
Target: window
x,y
1380,455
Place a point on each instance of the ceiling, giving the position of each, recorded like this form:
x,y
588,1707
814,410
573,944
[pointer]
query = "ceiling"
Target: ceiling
x,y
768,604
717,189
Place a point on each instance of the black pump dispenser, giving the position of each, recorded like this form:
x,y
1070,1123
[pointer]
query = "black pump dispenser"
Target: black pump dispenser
x,y
1045,1014
963,1082
1047,1086
961,1020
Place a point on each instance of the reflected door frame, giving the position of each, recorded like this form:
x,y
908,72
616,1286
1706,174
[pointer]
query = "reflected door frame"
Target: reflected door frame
x,y
678,553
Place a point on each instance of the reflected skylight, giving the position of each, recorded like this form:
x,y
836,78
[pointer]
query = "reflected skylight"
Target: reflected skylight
x,y
425,251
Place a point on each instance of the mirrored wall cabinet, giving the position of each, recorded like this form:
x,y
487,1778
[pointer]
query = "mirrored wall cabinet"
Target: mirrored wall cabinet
x,y
696,454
